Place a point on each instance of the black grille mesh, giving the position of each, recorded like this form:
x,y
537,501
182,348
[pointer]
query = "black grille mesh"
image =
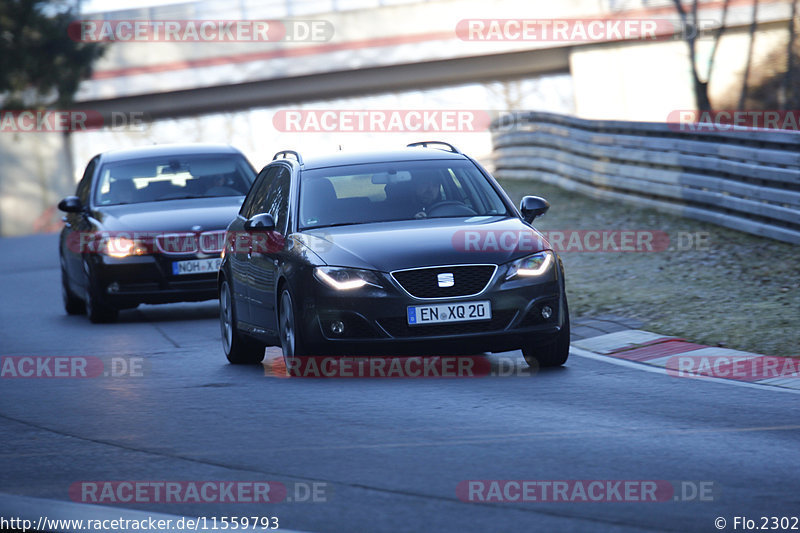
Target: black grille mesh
x,y
423,282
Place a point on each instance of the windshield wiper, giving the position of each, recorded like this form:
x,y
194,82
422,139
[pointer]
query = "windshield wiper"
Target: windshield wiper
x,y
180,198
336,225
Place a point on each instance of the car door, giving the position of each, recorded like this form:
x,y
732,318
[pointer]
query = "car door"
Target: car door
x,y
77,230
267,250
239,245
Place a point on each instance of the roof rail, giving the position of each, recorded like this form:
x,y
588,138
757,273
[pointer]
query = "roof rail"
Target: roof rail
x,y
284,153
425,144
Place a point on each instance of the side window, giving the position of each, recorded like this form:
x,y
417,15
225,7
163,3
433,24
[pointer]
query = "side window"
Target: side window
x,y
252,204
85,185
276,202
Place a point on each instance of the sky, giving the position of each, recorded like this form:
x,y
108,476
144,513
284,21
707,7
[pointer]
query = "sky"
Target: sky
x,y
97,6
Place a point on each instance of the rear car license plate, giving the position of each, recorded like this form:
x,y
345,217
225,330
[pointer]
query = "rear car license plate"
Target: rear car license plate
x,y
196,266
450,312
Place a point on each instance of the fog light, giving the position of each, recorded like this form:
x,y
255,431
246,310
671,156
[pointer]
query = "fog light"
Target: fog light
x,y
337,327
547,312
114,287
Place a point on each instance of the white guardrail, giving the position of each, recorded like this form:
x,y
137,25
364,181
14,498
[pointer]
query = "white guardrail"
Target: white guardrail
x,y
745,180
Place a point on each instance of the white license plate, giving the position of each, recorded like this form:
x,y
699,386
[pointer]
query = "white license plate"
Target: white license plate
x,y
196,266
452,312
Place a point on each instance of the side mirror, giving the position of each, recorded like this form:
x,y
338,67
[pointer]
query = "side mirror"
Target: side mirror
x,y
262,223
532,207
71,204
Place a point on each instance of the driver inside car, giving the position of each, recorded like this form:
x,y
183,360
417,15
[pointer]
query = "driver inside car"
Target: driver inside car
x,y
427,193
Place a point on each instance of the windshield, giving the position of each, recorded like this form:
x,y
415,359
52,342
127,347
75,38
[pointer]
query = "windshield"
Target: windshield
x,y
405,190
173,177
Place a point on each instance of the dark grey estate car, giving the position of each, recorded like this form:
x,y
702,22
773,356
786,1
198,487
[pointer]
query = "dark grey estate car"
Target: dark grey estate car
x,y
410,252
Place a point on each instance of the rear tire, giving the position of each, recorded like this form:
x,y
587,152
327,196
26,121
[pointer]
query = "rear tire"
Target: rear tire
x,y
554,353
238,349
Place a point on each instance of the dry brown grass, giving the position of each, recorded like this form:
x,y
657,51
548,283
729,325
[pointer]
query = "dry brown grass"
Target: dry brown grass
x,y
741,291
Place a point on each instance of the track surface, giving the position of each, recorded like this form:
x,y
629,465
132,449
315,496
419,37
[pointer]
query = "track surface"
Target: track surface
x,y
390,452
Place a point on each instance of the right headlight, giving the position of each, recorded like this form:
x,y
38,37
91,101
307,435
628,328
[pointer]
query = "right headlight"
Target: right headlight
x,y
345,279
531,266
119,247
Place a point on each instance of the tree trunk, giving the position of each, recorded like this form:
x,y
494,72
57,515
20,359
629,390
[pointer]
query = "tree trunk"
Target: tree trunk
x,y
748,65
786,96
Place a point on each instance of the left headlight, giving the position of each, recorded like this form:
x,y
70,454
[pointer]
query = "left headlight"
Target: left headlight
x,y
345,279
532,265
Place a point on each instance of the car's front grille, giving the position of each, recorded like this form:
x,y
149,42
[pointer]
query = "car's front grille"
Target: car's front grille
x,y
148,286
432,282
398,326
208,242
199,282
207,281
177,243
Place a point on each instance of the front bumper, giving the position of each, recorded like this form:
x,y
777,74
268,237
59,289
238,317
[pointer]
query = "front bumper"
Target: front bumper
x,y
375,320
130,281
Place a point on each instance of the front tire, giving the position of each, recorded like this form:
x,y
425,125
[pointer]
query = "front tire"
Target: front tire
x,y
291,342
554,353
72,304
238,349
96,309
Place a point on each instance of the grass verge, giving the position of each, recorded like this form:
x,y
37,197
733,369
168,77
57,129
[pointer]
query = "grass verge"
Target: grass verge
x,y
734,290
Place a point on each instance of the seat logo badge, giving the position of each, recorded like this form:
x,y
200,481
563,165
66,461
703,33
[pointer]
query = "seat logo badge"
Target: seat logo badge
x,y
446,279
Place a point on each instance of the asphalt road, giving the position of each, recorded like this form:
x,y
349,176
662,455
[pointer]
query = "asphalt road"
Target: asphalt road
x,y
387,454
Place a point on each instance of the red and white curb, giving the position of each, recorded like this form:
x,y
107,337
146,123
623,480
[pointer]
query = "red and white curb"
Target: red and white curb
x,y
680,358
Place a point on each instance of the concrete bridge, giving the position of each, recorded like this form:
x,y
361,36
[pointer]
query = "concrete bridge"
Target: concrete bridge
x,y
407,46
364,48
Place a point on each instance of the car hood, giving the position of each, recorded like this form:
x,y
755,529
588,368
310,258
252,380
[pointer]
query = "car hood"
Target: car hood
x,y
170,215
388,246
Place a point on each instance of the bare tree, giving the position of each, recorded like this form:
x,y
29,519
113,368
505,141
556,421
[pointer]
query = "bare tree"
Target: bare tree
x,y
750,49
786,93
510,92
690,23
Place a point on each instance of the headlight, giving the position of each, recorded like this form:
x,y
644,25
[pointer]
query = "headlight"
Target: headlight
x,y
345,279
119,247
533,265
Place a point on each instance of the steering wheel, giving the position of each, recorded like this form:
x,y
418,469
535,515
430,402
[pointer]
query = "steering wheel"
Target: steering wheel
x,y
455,208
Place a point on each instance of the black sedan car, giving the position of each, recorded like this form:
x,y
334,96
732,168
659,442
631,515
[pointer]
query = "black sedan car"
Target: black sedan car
x,y
146,225
412,252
